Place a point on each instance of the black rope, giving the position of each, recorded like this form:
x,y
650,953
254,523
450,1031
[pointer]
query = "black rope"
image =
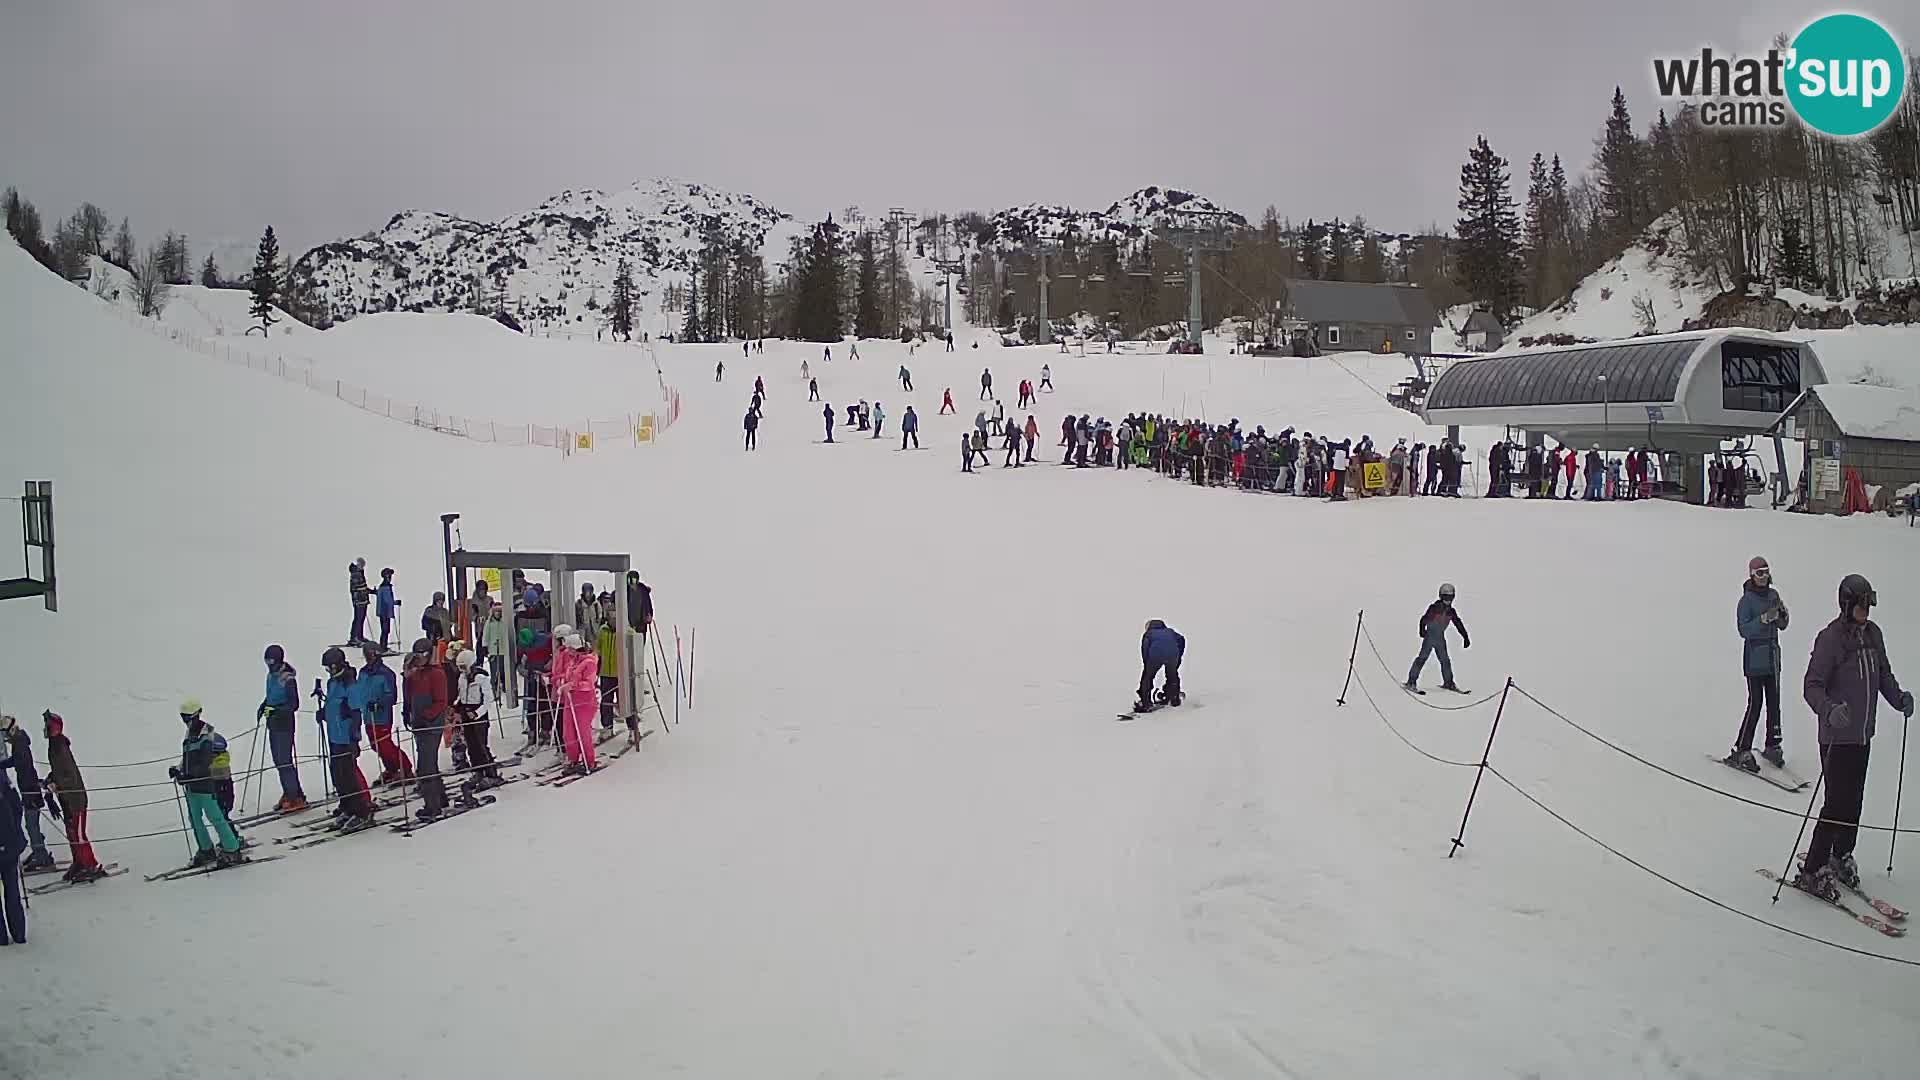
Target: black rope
x,y
1689,890
1411,745
1618,749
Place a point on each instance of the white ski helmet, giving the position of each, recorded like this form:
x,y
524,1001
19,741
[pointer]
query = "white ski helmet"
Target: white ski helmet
x,y
1446,590
574,643
561,632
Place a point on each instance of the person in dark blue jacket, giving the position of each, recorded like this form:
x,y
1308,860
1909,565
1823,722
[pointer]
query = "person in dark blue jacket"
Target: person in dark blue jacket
x,y
1160,647
1433,640
13,843
1760,617
386,606
16,745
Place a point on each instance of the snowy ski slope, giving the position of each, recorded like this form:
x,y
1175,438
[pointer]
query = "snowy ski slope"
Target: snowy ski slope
x,y
901,835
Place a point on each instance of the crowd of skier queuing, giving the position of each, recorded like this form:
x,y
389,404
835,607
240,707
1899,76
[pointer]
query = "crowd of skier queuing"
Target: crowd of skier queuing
x,y
445,693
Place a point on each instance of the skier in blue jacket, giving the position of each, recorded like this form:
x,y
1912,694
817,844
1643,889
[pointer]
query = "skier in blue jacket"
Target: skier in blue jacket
x,y
1160,647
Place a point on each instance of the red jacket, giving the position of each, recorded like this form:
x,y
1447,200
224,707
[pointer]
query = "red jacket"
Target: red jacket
x,y
426,689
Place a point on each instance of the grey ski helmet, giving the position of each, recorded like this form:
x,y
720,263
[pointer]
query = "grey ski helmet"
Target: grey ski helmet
x,y
1446,590
334,657
1855,589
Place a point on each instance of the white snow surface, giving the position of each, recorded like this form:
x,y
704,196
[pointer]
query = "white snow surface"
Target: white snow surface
x,y
901,835
1873,412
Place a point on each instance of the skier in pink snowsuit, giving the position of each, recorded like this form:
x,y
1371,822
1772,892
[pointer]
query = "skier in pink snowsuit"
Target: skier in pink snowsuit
x,y
576,686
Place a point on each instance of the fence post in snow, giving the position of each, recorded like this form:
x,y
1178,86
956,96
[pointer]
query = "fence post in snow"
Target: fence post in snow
x,y
1460,839
1355,651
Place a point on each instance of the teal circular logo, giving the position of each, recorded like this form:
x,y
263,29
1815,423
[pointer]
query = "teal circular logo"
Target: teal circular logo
x,y
1847,75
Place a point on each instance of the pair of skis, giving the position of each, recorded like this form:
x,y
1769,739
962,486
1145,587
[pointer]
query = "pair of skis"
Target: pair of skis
x,y
1422,693
112,870
408,828
183,872
1885,926
1779,777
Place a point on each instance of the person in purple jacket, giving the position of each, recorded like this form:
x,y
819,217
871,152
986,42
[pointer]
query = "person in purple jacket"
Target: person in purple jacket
x,y
1847,669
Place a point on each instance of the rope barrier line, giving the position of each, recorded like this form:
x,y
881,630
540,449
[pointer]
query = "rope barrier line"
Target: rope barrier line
x,y
1375,649
1703,785
1689,890
1411,745
372,793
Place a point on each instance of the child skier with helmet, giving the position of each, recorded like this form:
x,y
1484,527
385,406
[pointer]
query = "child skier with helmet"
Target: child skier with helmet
x,y
1847,670
204,762
1433,640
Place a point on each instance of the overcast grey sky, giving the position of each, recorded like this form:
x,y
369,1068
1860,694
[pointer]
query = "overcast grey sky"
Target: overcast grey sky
x,y
324,118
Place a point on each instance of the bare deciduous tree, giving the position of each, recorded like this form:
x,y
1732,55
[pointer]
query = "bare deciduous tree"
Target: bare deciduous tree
x,y
150,288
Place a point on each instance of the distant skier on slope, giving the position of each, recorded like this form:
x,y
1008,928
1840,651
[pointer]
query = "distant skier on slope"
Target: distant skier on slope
x,y
986,384
358,592
946,401
752,423
386,607
879,418
813,389
906,379
1433,640
1161,648
909,428
828,414
1759,618
1046,377
719,371
1847,669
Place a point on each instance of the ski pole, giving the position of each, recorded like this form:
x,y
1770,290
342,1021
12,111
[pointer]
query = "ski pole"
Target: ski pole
x,y
1898,788
1781,882
180,804
693,643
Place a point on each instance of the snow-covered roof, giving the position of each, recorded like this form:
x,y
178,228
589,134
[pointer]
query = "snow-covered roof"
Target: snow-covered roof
x,y
1872,412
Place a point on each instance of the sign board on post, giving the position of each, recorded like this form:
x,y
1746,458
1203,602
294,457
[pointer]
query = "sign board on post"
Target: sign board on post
x,y
1374,475
1826,475
492,578
1656,414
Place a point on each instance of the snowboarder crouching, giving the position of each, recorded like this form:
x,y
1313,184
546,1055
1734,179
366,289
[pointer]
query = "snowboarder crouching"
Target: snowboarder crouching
x,y
1160,647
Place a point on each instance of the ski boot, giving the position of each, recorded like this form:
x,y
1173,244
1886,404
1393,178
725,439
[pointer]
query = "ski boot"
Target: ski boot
x,y
1819,882
424,815
90,874
1845,870
355,822
228,858
1774,755
41,860
204,857
1742,759
294,804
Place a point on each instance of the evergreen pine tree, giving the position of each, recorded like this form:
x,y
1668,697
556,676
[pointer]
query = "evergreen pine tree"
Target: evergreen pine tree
x,y
866,317
691,329
1489,232
209,273
266,281
1622,180
1313,251
1337,251
1537,225
620,310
